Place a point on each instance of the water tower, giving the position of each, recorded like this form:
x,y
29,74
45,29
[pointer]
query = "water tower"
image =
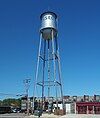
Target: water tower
x,y
48,72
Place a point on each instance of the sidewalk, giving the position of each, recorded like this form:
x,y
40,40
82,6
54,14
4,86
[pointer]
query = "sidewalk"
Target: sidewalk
x,y
80,116
66,116
45,116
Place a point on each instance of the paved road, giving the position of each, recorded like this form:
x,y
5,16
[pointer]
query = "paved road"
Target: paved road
x,y
20,115
13,115
81,116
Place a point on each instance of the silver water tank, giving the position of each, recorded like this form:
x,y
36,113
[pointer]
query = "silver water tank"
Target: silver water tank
x,y
48,25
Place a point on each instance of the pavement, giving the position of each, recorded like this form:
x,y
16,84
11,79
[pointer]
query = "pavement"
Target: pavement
x,y
67,116
13,115
80,116
46,116
20,115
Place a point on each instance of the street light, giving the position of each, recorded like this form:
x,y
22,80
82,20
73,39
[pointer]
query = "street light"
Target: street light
x,y
27,84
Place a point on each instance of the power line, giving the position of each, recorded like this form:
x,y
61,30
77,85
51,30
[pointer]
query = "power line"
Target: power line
x,y
7,94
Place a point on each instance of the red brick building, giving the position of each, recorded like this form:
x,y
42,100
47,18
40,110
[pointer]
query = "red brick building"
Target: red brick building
x,y
88,107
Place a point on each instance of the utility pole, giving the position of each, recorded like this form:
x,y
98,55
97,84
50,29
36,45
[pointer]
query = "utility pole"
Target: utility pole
x,y
27,84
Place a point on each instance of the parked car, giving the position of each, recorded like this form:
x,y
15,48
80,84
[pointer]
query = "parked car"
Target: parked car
x,y
38,112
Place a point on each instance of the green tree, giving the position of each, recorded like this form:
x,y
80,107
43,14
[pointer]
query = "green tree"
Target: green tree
x,y
11,102
0,102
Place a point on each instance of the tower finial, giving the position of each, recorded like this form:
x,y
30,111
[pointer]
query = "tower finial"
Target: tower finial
x,y
48,8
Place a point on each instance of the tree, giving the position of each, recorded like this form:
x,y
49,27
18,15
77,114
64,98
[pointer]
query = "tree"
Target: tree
x,y
11,102
0,102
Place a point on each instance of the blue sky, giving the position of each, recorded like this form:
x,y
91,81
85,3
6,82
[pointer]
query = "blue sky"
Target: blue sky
x,y
79,40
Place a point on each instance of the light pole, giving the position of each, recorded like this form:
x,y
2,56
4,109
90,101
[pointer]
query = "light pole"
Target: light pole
x,y
27,84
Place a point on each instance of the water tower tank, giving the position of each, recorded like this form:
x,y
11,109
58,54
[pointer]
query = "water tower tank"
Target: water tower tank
x,y
48,25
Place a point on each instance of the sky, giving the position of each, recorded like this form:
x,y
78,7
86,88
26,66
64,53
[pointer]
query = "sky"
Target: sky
x,y
78,37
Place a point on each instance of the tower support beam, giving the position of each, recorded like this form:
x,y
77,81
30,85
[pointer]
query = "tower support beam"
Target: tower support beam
x,y
48,72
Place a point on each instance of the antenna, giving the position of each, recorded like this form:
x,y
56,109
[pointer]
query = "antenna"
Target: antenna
x,y
48,8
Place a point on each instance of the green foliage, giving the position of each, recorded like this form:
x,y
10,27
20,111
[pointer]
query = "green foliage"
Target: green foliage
x,y
0,103
11,102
